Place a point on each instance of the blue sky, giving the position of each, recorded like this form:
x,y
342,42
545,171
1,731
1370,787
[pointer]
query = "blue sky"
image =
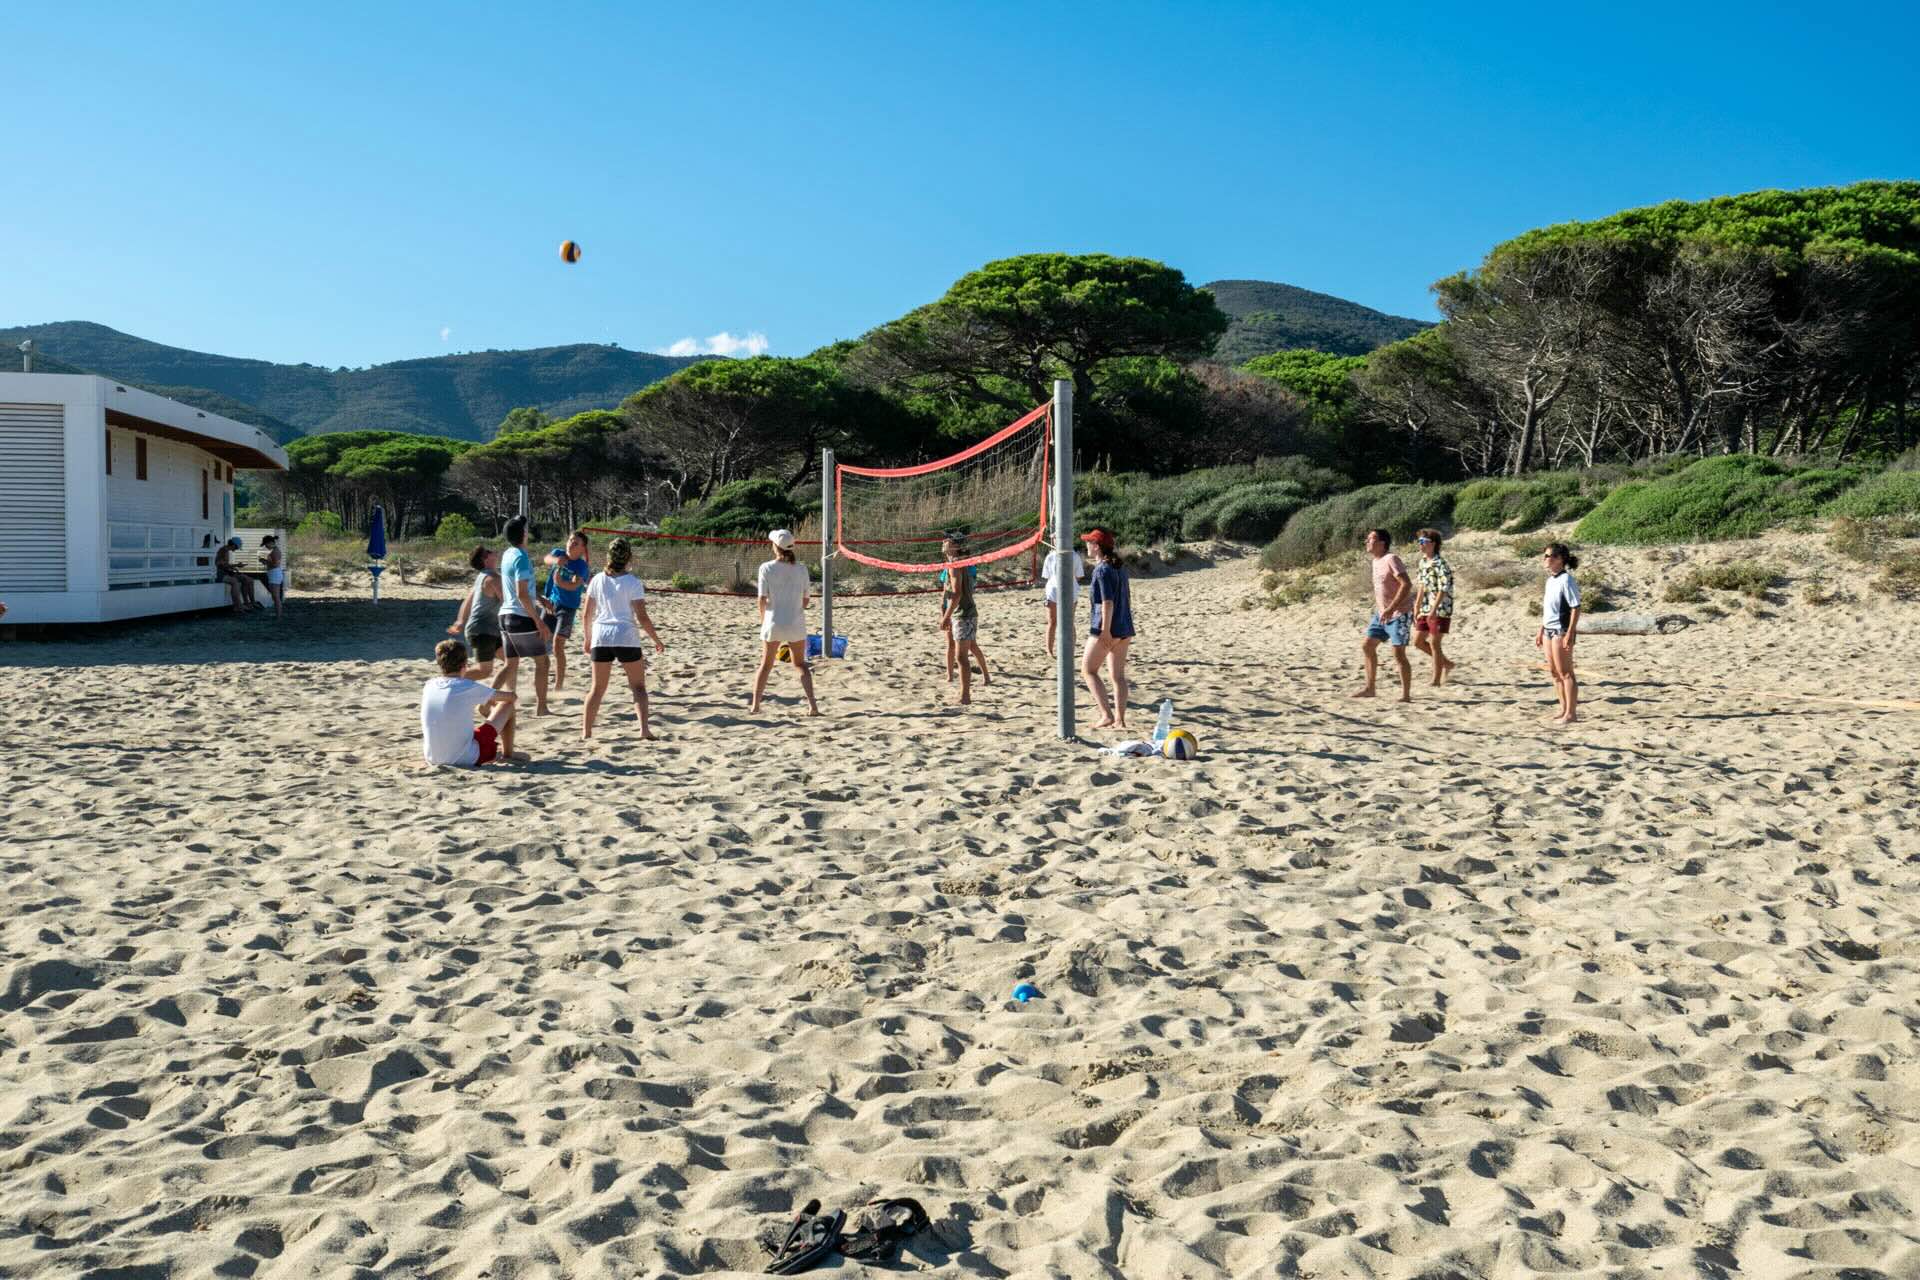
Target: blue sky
x,y
355,183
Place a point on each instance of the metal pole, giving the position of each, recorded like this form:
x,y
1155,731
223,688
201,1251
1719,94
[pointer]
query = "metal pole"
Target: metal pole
x,y
523,500
826,554
1062,564
26,356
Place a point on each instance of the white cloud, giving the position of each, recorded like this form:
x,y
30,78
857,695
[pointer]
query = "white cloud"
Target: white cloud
x,y
720,344
446,331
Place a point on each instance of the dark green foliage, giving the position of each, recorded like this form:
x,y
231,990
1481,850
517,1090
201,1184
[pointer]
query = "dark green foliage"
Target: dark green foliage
x,y
321,524
1243,503
1891,493
1268,317
462,396
1341,523
1748,577
1523,505
456,530
1714,499
742,509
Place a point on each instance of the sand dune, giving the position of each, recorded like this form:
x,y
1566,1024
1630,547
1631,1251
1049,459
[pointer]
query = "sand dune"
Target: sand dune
x,y
1366,991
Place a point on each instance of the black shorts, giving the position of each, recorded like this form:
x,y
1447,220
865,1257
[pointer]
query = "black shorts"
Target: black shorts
x,y
618,653
562,622
519,637
484,646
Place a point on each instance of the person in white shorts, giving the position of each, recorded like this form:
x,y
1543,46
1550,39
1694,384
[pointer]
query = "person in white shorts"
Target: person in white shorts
x,y
1056,560
276,572
447,732
783,590
616,612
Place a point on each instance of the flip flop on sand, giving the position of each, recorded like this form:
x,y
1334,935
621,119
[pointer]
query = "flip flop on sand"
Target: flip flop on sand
x,y
813,1237
882,1225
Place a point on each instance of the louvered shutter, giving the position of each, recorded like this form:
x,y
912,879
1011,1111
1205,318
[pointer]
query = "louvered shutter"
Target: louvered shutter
x,y
33,498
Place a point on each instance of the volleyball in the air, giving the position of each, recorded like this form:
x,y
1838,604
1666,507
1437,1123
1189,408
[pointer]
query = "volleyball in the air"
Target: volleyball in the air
x,y
1180,745
569,251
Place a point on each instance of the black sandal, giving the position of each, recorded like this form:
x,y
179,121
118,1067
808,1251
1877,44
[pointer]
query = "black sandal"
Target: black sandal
x,y
883,1225
812,1238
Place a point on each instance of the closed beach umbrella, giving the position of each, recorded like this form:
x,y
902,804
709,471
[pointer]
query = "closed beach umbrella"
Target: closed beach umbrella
x,y
377,548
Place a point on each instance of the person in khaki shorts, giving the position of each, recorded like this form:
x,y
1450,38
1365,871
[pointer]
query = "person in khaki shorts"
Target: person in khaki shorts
x,y
1433,603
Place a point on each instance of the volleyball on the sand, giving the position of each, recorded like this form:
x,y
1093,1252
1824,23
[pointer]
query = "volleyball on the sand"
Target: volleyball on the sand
x,y
1180,745
569,251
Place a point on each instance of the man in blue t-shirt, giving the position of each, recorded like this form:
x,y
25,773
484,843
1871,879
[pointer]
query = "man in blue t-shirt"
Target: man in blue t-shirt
x,y
523,631
566,579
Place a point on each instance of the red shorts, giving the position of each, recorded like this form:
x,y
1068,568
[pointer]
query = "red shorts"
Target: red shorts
x,y
489,739
1432,623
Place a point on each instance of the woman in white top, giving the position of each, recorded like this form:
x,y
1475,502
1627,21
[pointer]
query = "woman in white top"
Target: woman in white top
x,y
783,593
276,572
616,612
1559,620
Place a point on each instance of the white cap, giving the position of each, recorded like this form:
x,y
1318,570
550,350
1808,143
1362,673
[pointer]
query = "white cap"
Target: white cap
x,y
781,538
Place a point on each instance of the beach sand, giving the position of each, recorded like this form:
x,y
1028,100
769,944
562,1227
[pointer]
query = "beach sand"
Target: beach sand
x,y
1367,990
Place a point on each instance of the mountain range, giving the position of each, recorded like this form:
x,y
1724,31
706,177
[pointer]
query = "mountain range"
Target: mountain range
x,y
1267,317
466,396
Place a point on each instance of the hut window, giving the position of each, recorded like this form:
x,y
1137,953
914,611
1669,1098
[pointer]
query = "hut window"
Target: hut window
x,y
109,451
139,457
203,493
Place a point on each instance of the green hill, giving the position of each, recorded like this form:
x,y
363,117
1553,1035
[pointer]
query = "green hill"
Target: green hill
x,y
1268,317
463,396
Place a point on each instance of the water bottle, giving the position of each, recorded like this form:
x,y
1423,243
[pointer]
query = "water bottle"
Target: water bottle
x,y
1165,724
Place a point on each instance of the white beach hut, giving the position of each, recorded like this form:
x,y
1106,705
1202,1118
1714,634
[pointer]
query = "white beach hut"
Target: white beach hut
x,y
113,500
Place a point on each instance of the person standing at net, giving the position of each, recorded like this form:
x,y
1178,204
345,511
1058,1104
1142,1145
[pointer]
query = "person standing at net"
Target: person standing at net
x,y
523,634
782,592
616,608
478,622
1110,631
1063,573
567,574
960,618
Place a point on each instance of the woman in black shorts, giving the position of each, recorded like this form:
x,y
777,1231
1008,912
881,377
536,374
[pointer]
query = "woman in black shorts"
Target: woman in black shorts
x,y
616,612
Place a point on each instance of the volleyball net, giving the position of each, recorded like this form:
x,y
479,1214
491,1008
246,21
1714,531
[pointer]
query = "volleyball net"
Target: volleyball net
x,y
890,526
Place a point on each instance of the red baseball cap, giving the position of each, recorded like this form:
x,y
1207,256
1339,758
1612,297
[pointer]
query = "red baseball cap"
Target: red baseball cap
x,y
1099,537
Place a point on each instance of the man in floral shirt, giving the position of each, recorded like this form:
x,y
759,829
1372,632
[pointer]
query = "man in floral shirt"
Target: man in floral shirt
x,y
1433,603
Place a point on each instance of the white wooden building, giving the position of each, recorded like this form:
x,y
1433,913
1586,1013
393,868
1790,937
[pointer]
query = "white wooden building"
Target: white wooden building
x,y
113,500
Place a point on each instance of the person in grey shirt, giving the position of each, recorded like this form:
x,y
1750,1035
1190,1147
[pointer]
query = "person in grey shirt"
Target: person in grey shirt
x,y
479,620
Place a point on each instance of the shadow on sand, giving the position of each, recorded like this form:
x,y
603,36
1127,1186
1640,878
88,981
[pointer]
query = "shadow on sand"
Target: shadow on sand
x,y
327,629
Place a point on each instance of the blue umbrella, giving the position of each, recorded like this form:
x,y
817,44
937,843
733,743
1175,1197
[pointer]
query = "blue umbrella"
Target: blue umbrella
x,y
377,548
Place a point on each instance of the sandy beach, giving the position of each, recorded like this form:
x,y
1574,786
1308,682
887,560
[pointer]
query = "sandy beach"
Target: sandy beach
x,y
1367,990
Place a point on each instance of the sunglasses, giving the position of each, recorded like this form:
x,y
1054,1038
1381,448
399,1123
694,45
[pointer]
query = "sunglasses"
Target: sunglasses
x,y
1423,541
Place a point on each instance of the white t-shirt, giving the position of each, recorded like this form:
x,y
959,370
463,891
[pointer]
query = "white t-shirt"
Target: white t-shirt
x,y
1561,597
784,587
447,705
1050,575
613,601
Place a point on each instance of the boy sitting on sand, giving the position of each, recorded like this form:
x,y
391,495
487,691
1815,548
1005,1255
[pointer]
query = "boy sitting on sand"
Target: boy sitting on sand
x,y
447,704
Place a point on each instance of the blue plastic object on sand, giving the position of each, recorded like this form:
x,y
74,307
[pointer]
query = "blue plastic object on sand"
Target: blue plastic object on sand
x,y
813,646
1026,991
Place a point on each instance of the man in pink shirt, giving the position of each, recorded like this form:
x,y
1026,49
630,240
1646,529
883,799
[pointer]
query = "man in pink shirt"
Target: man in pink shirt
x,y
1392,613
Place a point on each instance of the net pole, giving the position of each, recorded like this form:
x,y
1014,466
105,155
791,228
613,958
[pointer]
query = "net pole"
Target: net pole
x,y
827,540
1063,547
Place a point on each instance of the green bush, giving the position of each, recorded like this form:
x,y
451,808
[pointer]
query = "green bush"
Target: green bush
x,y
684,581
1256,512
1527,503
1712,500
456,530
321,524
1748,577
1143,510
1339,523
1891,493
742,509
